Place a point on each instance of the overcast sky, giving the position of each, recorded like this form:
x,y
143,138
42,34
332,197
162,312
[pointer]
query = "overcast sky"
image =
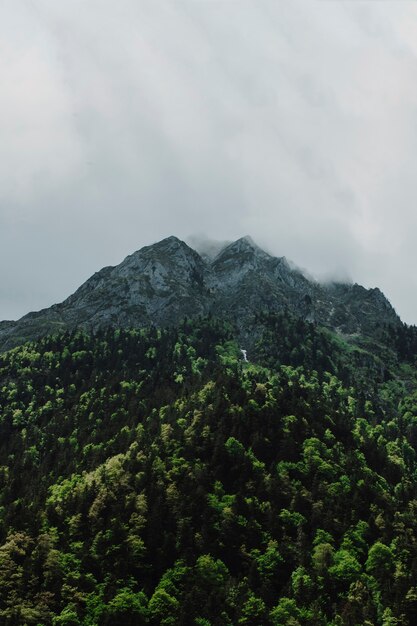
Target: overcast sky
x,y
122,122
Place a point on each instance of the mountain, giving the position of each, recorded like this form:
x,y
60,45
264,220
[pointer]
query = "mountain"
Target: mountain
x,y
152,475
165,282
155,478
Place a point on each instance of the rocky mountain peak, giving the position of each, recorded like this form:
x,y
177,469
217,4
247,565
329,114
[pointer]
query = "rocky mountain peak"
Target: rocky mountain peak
x,y
238,258
244,247
168,245
166,281
171,253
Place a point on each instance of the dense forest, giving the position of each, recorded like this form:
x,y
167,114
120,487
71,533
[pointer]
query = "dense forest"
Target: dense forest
x,y
154,477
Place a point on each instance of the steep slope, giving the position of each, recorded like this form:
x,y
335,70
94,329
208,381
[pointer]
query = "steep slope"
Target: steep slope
x,y
158,284
165,282
154,478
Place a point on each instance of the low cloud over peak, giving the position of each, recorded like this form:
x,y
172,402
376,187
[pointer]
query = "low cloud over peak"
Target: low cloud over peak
x,y
294,122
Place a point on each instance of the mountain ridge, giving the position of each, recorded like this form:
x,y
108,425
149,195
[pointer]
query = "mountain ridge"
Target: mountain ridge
x,y
164,282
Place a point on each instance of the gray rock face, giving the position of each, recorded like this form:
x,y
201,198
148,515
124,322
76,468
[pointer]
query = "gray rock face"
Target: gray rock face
x,y
163,283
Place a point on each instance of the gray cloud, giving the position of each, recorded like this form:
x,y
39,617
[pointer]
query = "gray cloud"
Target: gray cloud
x,y
125,122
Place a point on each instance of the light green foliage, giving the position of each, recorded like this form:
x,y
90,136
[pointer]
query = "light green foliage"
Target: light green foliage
x,y
380,561
322,557
128,608
212,572
163,608
292,519
286,612
234,447
253,611
345,566
270,561
302,584
67,617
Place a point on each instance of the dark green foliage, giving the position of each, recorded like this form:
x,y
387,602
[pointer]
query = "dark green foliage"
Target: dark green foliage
x,y
153,477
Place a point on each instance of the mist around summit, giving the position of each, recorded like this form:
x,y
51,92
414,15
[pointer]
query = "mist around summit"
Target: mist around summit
x,y
168,281
293,122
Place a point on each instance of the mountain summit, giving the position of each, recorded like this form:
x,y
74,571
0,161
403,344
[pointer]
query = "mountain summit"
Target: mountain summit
x,y
167,281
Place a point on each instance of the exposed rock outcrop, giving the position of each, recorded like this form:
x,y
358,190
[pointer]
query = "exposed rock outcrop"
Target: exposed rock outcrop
x,y
162,283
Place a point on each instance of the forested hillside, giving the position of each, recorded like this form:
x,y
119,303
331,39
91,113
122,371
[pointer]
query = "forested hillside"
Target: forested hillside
x,y
154,477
